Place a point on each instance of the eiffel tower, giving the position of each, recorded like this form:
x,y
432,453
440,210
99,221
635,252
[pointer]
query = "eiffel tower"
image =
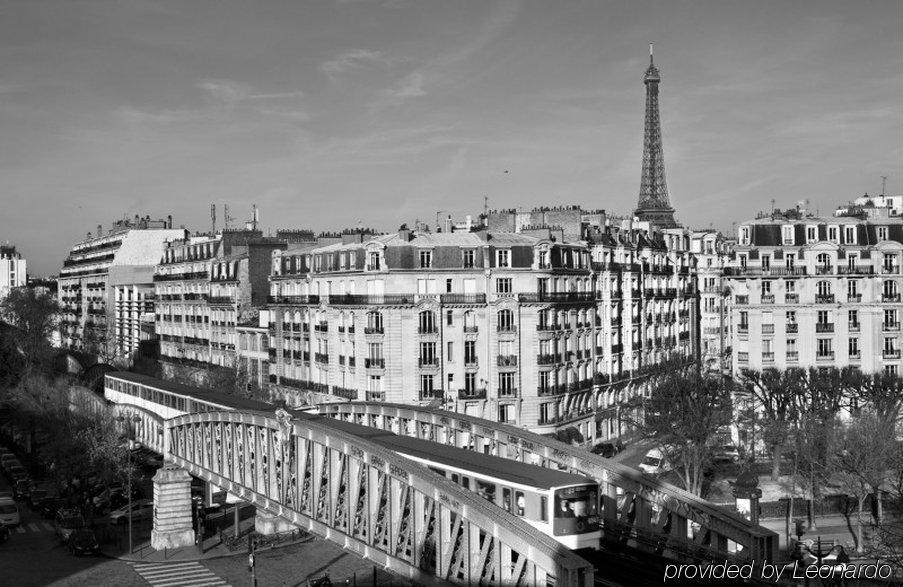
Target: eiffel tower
x,y
654,205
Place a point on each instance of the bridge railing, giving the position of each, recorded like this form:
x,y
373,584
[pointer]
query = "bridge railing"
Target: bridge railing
x,y
630,497
368,499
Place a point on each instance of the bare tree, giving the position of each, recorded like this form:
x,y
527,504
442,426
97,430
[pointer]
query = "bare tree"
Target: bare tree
x,y
684,411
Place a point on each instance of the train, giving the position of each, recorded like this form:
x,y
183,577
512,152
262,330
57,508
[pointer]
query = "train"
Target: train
x,y
562,505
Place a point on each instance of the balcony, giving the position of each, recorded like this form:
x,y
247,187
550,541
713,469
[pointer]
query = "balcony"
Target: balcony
x,y
351,362
616,348
428,362
768,357
321,327
768,329
824,327
373,266
471,329
546,359
891,354
824,299
506,360
825,356
371,363
374,330
465,394
792,327
344,392
220,301
791,298
855,355
506,328
293,300
887,297
570,296
767,298
856,270
428,330
743,328
463,298
547,327
741,300
371,300
321,357
853,326
470,360
890,326
890,269
742,357
793,356
431,394
824,270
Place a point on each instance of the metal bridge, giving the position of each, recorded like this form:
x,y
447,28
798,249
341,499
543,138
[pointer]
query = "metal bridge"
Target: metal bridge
x,y
415,522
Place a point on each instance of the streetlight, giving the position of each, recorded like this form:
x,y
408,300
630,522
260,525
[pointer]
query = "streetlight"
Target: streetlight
x,y
129,422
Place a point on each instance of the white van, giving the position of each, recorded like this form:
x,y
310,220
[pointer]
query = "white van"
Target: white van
x,y
9,512
655,462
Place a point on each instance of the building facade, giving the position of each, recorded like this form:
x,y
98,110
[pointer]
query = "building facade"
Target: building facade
x,y
205,285
710,252
106,286
13,269
812,292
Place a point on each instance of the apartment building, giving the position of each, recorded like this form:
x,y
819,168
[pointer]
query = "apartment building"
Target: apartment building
x,y
811,292
13,269
106,286
710,252
205,285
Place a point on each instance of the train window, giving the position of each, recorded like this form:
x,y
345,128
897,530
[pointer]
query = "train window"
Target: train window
x,y
438,471
486,490
454,477
465,481
544,508
506,498
520,503
576,502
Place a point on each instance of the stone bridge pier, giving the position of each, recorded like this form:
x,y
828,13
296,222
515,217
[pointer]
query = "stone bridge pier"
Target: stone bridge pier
x,y
172,508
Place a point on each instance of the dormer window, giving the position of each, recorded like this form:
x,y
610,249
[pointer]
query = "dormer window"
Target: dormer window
x,y
503,258
882,233
833,234
787,231
426,259
811,234
744,235
849,236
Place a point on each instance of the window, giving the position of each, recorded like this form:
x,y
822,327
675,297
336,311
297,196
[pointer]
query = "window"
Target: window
x,y
503,258
766,262
891,370
787,231
744,319
823,347
426,259
789,260
853,347
543,259
506,414
449,317
426,383
890,344
503,285
791,317
849,236
468,256
374,322
811,234
882,233
823,288
890,317
742,258
448,286
822,317
889,289
376,350
373,263
519,503
428,353
450,352
833,234
766,287
744,235
852,288
427,322
791,345
470,352
505,321
853,316
470,382
507,386
790,286
823,260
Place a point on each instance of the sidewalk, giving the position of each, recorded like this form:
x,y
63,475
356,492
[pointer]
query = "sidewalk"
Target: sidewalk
x,y
212,547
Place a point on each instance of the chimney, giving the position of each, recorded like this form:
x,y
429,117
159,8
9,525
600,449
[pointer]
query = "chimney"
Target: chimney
x,y
404,233
99,230
169,221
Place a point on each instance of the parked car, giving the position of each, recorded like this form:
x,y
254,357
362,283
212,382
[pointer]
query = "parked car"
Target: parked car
x,y
22,489
655,462
143,509
9,513
83,541
67,522
605,449
727,453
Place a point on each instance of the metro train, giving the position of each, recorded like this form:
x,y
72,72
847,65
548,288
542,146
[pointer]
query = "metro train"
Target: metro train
x,y
562,505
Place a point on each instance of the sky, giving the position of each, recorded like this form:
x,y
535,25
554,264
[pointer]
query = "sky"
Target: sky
x,y
331,114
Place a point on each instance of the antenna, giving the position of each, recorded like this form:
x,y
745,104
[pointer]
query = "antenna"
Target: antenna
x,y
772,205
651,47
883,185
213,218
486,206
226,218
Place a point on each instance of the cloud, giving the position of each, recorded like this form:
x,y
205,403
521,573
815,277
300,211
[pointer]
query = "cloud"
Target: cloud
x,y
411,86
230,91
352,60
